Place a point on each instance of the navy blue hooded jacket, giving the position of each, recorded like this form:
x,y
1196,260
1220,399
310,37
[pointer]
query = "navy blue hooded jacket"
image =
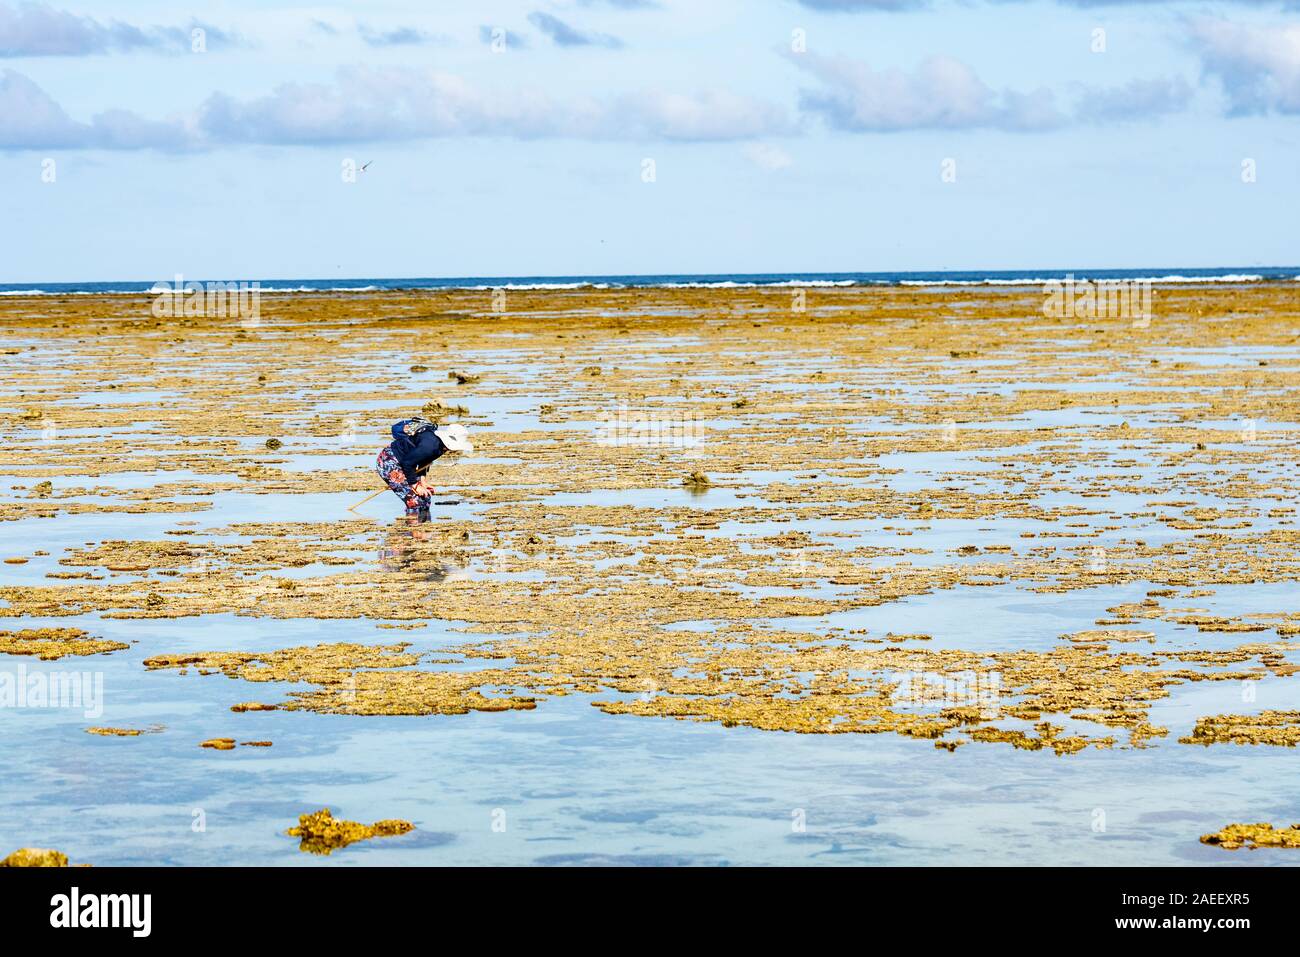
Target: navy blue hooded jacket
x,y
414,452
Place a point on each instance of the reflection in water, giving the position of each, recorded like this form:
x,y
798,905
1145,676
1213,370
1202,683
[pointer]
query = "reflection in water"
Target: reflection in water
x,y
413,545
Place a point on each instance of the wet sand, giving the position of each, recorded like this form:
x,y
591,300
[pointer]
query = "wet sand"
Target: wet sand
x,y
954,581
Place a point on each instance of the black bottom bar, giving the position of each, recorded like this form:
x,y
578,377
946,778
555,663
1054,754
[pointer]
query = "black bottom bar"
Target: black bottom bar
x,y
370,905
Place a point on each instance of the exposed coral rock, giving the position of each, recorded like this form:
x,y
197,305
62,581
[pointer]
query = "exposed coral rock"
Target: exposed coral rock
x,y
35,857
321,833
1255,836
125,732
50,644
1267,727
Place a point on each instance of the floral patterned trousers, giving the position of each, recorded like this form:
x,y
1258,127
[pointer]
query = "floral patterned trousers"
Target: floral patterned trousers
x,y
390,470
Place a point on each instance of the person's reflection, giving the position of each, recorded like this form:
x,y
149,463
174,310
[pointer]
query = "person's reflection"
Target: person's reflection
x,y
408,549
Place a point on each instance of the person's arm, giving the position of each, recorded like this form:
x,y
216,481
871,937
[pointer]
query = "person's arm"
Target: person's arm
x,y
421,485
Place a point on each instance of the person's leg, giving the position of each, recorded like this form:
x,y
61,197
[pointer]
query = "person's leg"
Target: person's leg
x,y
391,472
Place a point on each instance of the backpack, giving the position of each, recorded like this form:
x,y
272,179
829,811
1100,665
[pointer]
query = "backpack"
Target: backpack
x,y
407,430
414,426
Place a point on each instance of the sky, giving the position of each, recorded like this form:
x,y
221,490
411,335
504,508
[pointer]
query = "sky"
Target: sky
x,y
140,140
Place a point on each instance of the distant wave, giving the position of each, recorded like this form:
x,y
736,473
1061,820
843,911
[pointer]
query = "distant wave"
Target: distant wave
x,y
319,288
750,284
1036,277
523,286
152,291
70,292
712,284
1230,277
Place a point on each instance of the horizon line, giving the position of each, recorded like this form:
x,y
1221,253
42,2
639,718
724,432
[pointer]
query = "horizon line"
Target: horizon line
x,y
791,274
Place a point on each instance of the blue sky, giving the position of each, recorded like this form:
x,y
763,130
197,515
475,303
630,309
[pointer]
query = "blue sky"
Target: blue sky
x,y
786,135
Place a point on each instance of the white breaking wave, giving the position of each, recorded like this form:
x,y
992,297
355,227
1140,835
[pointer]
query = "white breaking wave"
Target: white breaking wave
x,y
1232,277
71,292
775,283
1171,279
978,282
320,289
524,286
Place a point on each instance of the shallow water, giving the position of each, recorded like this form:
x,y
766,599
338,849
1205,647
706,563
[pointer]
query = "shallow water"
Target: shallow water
x,y
568,784
573,785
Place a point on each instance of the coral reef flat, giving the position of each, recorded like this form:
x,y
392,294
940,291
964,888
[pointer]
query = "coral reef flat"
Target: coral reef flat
x,y
845,575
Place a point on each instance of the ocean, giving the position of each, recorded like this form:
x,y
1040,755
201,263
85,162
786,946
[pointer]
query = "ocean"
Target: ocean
x,y
1010,277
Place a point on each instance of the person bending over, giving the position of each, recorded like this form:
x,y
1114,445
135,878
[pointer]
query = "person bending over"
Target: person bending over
x,y
416,444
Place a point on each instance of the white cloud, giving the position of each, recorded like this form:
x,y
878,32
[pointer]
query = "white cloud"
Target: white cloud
x,y
37,29
403,104
942,93
1136,100
768,157
847,6
366,104
564,35
31,119
624,4
27,114
398,36
1258,66
709,115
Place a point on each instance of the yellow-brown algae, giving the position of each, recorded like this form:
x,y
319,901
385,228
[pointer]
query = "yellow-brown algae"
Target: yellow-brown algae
x,y
1104,635
1267,727
35,857
587,595
1254,836
50,644
218,744
1049,736
343,689
746,681
321,833
124,732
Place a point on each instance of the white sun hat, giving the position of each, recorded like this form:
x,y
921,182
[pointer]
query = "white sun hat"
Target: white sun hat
x,y
456,437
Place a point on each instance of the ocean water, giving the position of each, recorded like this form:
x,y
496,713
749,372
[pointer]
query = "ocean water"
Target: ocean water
x,y
567,784
700,281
